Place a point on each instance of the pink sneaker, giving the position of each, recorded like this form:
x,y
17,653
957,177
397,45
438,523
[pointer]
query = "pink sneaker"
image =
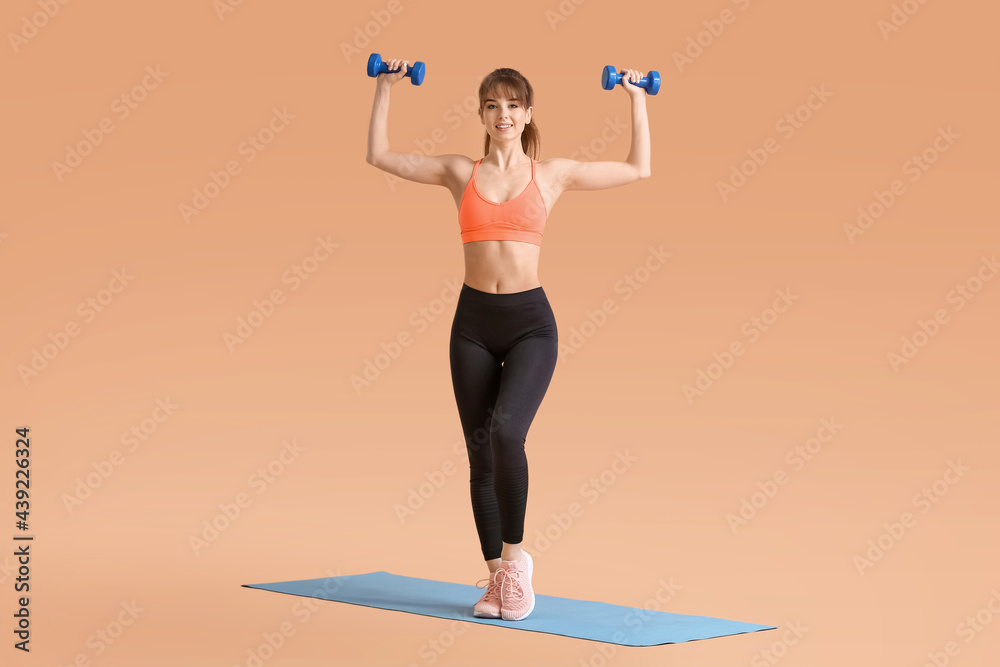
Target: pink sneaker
x,y
489,605
516,597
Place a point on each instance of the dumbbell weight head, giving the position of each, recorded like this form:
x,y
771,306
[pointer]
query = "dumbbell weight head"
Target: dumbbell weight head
x,y
609,77
416,73
374,64
654,82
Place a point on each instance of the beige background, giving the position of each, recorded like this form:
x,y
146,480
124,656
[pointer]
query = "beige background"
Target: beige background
x,y
331,506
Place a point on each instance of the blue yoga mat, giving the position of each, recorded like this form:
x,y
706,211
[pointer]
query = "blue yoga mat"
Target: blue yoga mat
x,y
583,619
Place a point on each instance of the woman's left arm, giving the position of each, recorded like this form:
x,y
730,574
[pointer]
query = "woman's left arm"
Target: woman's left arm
x,y
598,175
638,154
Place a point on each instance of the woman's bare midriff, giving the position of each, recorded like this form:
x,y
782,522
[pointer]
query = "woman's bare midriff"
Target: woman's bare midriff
x,y
501,267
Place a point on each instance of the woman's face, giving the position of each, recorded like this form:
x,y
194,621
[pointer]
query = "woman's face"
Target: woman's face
x,y
498,111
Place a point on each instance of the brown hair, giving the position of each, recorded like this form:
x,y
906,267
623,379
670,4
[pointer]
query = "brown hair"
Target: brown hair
x,y
509,83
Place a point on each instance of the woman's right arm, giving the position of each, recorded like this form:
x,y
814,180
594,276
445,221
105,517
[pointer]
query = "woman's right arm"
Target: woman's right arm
x,y
429,169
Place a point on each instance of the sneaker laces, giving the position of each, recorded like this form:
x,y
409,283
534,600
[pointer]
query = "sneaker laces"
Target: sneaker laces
x,y
513,580
492,585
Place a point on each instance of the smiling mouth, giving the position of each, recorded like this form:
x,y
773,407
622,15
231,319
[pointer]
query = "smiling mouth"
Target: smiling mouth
x,y
504,127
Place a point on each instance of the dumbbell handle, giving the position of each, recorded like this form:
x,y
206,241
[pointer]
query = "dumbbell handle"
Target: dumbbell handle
x,y
642,83
385,70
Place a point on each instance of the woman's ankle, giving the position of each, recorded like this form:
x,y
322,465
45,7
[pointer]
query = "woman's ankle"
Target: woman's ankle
x,y
513,557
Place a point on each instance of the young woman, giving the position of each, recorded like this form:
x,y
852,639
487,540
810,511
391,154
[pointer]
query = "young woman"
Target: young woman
x,y
504,342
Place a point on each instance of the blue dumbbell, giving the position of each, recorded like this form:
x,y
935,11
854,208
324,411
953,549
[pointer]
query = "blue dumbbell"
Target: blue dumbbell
x,y
376,67
610,77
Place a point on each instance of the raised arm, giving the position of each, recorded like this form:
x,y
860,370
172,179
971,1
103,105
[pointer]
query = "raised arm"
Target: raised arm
x,y
430,169
598,175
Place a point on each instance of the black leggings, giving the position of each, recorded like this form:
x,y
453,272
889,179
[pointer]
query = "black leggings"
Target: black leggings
x,y
503,351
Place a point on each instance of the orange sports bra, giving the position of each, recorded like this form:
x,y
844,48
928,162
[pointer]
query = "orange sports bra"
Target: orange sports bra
x,y
520,219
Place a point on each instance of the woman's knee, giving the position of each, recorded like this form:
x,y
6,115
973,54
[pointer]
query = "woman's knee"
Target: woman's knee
x,y
508,446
